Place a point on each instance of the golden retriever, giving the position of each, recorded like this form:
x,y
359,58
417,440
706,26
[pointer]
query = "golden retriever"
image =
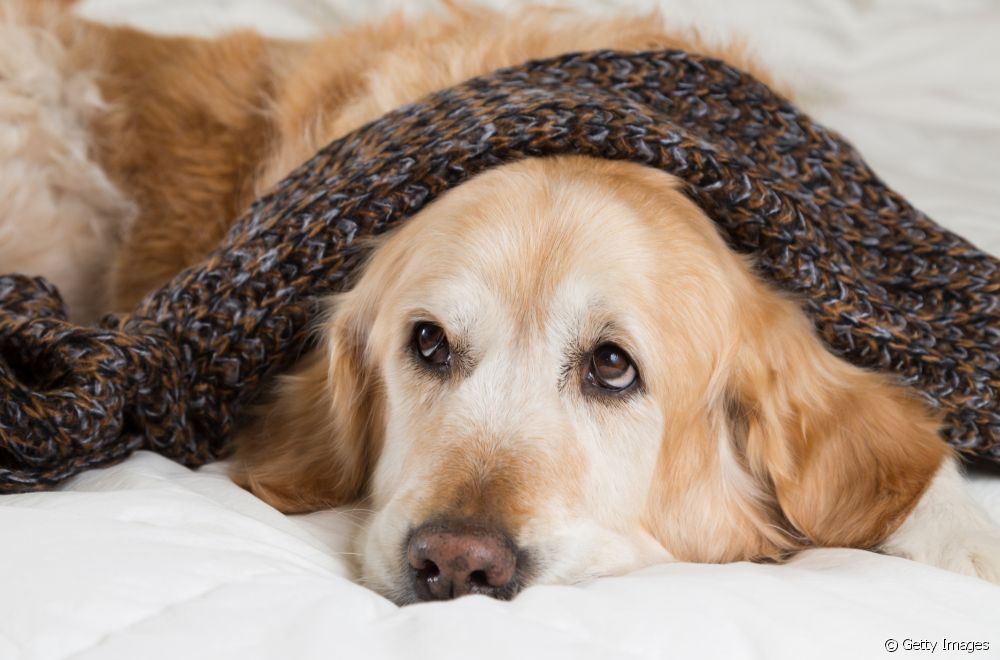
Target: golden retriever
x,y
557,370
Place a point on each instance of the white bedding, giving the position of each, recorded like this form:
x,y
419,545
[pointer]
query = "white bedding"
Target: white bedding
x,y
151,560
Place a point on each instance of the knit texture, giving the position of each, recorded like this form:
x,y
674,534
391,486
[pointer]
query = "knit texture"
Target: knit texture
x,y
886,287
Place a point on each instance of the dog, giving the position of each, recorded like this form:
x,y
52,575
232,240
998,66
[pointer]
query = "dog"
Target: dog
x,y
516,394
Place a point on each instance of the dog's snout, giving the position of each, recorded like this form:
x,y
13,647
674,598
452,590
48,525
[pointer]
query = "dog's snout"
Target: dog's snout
x,y
448,561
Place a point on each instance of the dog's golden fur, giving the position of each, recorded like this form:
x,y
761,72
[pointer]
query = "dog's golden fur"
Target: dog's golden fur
x,y
748,439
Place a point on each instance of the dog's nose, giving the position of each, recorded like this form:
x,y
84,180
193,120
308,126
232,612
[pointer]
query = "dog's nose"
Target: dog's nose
x,y
449,561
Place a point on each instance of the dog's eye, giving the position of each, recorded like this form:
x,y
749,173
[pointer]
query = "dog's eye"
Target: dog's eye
x,y
611,368
431,344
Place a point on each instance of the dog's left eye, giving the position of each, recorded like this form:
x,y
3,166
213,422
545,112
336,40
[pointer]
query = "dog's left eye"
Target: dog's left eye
x,y
611,368
431,344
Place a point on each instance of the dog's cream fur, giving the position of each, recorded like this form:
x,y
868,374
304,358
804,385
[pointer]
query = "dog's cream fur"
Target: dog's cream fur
x,y
745,439
60,215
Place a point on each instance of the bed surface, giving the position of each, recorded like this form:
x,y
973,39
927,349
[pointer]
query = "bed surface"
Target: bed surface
x,y
148,559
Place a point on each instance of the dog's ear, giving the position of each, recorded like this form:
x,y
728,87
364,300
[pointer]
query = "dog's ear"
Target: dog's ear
x,y
313,441
845,453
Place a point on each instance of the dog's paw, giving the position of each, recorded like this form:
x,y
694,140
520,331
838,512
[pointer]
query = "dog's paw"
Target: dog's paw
x,y
975,553
948,529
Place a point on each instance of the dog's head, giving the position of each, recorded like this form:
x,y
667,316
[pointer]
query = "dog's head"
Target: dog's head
x,y
558,370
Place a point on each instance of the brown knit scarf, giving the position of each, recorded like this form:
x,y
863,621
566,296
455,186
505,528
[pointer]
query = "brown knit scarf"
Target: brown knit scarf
x,y
886,287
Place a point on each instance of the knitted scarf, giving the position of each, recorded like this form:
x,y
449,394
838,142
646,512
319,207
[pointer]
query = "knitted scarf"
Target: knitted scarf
x,y
886,287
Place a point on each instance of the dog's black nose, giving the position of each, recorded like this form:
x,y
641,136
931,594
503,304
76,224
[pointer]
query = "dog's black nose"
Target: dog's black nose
x,y
451,560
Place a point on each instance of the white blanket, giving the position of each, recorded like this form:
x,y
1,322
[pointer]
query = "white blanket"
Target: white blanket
x,y
151,560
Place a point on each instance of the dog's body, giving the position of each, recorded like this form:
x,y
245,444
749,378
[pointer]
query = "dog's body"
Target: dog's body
x,y
520,395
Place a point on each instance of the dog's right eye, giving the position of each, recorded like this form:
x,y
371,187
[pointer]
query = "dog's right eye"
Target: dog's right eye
x,y
431,344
